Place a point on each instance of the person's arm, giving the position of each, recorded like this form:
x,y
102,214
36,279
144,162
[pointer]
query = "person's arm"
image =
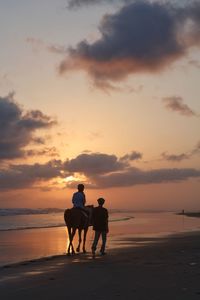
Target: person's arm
x,y
106,214
107,229
84,199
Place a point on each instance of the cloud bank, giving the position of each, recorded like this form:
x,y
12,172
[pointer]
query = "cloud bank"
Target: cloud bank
x,y
141,37
134,155
134,176
17,128
100,170
25,176
94,163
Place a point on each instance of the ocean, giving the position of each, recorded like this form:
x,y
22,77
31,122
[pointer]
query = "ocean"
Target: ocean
x,y
29,234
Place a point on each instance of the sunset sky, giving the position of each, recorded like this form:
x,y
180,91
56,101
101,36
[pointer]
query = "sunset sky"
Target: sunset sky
x,y
106,93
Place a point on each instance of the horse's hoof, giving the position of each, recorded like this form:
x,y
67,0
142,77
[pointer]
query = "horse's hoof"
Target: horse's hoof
x,y
84,251
68,254
77,249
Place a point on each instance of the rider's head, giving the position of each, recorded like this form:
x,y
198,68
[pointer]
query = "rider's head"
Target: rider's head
x,y
80,187
101,201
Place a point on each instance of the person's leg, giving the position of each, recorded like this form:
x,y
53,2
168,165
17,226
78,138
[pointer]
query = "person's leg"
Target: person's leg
x,y
95,242
103,246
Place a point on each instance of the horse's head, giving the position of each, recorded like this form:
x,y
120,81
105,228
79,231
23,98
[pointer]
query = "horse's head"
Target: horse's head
x,y
90,209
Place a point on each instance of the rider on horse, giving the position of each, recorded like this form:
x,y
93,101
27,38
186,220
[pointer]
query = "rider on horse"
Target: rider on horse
x,y
77,218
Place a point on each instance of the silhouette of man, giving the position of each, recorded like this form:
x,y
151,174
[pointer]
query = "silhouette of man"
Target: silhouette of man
x,y
100,226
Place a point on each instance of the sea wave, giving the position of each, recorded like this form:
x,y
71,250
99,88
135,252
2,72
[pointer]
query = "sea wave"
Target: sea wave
x,y
12,227
31,227
41,211
28,211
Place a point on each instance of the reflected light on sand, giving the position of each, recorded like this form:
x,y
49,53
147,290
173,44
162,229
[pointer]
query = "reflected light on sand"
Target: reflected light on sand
x,y
60,264
67,244
30,273
6,278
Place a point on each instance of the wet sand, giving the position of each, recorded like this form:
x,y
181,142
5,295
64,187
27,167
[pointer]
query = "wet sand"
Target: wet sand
x,y
165,268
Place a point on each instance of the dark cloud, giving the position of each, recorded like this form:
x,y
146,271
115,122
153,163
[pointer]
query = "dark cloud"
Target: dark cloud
x,y
176,104
94,163
38,140
182,156
47,151
17,128
141,37
174,157
25,176
134,155
135,176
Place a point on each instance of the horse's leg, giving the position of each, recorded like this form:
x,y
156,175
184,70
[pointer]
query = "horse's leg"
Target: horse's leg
x,y
72,236
84,239
79,240
70,239
71,233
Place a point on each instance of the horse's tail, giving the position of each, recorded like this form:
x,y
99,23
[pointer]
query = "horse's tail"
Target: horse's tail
x,y
67,216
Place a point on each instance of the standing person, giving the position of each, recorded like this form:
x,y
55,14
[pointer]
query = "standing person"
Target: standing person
x,y
78,198
100,226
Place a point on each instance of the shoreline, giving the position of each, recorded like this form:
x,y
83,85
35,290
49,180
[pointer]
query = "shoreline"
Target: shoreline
x,y
22,246
168,267
125,242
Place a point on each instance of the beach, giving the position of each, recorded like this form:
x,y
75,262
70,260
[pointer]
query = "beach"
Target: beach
x,y
36,236
165,268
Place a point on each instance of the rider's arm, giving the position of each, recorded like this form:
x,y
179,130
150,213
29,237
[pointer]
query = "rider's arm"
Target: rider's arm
x,y
73,198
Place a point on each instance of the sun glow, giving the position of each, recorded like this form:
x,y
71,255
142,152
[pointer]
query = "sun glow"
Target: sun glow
x,y
77,177
69,180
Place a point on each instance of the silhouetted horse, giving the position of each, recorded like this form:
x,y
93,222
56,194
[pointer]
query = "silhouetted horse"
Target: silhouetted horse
x,y
77,219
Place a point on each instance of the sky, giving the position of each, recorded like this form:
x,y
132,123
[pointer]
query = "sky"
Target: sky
x,y
104,93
